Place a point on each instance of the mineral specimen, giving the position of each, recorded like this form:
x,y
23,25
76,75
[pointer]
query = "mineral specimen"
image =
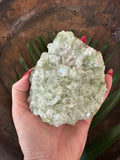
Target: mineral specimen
x,y
68,82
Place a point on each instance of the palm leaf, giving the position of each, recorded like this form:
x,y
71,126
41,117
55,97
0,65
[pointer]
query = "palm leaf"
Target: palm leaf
x,y
89,40
110,56
107,106
116,78
30,52
80,35
94,44
17,74
51,36
98,145
11,81
42,48
56,32
43,40
74,31
104,48
35,48
23,63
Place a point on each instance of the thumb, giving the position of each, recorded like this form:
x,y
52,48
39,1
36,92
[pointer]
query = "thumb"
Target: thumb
x,y
19,89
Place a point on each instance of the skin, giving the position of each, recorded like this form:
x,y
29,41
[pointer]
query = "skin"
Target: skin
x,y
41,141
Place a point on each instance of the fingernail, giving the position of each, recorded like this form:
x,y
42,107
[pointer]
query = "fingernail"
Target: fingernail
x,y
84,39
110,72
27,72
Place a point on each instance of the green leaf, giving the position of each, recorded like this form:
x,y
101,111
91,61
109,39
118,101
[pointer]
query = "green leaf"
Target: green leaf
x,y
16,73
89,40
43,40
23,63
42,48
11,81
106,107
56,32
80,35
30,52
74,31
51,36
104,48
101,143
35,48
110,56
94,44
116,78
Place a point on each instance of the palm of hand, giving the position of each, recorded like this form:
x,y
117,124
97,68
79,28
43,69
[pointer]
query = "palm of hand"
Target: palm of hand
x,y
53,142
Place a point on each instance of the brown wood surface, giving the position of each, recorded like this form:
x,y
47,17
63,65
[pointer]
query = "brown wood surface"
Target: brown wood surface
x,y
21,20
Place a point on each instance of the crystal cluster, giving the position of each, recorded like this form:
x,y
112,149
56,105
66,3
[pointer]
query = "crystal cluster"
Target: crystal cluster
x,y
68,82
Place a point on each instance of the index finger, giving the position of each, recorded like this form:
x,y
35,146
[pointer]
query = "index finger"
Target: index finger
x,y
19,90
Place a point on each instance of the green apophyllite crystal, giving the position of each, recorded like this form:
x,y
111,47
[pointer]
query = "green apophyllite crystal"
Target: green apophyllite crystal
x,y
68,82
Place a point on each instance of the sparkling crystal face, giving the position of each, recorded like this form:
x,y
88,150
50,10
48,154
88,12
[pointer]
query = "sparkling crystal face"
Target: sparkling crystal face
x,y
68,83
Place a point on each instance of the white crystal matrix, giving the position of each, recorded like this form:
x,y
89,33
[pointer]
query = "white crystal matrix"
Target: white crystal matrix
x,y
68,82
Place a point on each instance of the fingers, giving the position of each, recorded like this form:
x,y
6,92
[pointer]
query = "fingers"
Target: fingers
x,y
19,89
108,80
84,39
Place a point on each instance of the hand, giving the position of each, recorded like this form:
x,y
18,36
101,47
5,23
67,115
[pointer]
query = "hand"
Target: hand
x,y
41,141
